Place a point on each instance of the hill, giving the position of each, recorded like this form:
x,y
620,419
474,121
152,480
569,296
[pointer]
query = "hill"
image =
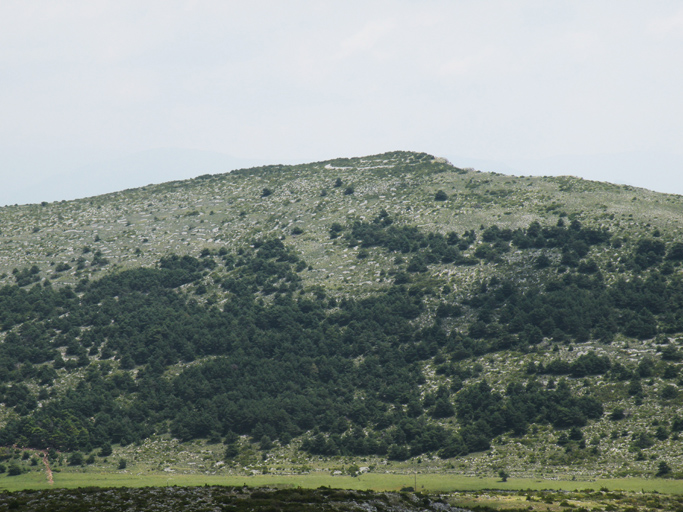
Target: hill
x,y
386,310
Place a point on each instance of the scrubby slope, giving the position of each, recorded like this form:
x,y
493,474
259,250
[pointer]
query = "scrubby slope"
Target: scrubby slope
x,y
386,307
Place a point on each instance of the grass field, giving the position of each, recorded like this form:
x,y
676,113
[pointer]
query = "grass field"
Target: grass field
x,y
371,481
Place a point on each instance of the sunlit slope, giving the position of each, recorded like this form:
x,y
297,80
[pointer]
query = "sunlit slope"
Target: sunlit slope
x,y
392,307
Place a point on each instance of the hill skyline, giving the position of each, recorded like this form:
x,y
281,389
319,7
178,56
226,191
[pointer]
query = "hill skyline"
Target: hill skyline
x,y
35,176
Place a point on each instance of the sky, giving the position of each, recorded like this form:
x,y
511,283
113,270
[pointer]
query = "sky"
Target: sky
x,y
98,96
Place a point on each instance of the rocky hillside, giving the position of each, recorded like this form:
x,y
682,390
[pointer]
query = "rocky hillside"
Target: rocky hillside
x,y
390,308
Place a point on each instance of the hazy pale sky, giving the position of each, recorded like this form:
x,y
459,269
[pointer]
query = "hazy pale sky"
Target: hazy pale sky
x,y
110,93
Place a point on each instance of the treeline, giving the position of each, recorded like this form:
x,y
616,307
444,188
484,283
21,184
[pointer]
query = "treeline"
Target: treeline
x,y
578,307
574,241
429,247
482,413
584,365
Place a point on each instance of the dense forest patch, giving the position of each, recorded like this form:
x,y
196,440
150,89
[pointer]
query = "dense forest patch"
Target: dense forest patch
x,y
274,361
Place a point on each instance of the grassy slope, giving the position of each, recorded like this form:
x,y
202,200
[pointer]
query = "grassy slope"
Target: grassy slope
x,y
430,482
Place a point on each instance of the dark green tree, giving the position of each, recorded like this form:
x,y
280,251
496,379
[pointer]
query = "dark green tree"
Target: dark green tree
x,y
663,469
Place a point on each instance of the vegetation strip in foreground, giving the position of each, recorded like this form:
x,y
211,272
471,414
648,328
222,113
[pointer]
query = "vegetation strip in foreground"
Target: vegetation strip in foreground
x,y
290,498
227,498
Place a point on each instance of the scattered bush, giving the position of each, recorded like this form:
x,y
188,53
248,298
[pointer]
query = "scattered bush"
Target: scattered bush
x,y
669,392
617,414
663,469
231,451
76,459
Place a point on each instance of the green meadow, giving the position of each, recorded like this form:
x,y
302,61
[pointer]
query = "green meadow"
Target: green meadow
x,y
371,481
